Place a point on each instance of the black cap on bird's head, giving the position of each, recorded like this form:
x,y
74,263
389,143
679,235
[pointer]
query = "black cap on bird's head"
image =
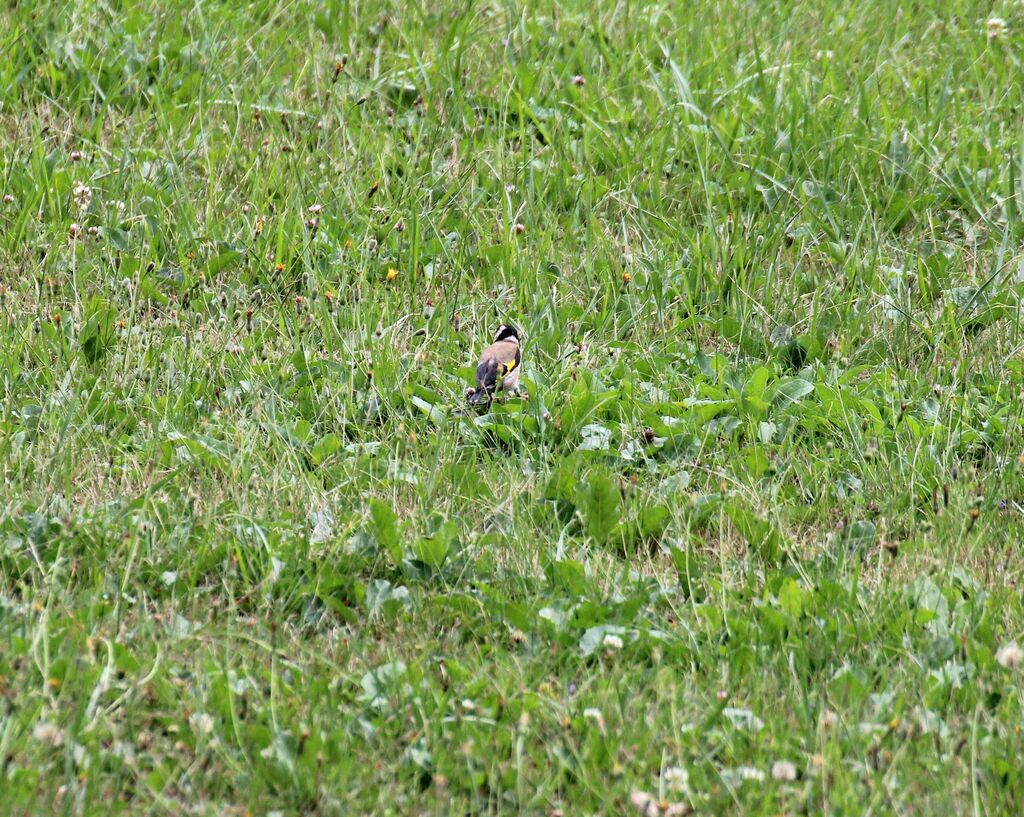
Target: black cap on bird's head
x,y
505,332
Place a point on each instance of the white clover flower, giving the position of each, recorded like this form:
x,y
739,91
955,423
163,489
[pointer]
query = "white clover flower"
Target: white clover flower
x,y
784,770
202,722
645,803
996,27
83,195
46,732
612,643
743,774
676,778
1010,655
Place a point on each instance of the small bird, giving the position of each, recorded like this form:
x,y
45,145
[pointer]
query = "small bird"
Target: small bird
x,y
499,366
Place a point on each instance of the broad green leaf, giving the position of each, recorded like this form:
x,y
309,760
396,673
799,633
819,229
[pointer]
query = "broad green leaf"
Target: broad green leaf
x,y
384,525
791,597
432,551
222,261
434,413
562,484
601,503
325,447
97,334
569,575
791,390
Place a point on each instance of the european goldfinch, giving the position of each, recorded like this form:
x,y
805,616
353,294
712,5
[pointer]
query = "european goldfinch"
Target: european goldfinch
x,y
499,366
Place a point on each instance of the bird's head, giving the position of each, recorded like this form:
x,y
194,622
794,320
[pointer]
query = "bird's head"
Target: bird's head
x,y
506,331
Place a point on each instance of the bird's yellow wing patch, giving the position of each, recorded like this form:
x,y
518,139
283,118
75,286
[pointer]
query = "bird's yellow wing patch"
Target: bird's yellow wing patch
x,y
508,366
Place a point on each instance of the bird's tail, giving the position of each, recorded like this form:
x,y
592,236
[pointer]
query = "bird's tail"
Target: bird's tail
x,y
476,395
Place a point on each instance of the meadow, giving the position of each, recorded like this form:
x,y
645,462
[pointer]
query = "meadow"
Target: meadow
x,y
750,544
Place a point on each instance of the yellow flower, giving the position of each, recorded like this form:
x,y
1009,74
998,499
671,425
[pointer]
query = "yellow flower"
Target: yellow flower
x,y
392,274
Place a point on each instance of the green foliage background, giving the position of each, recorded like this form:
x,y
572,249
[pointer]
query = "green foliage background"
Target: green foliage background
x,y
761,506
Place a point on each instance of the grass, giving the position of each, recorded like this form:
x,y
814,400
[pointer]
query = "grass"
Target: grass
x,y
749,545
